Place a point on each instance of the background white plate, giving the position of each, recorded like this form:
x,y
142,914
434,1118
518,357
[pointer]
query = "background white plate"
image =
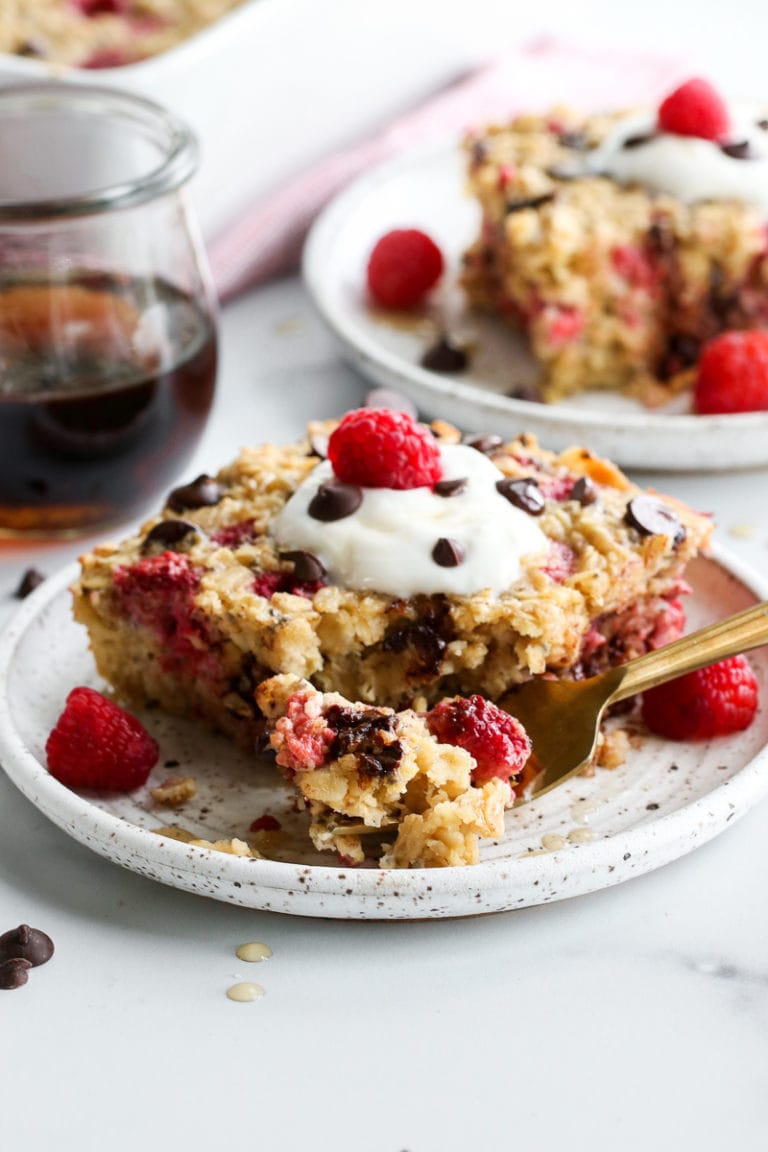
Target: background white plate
x,y
667,799
423,189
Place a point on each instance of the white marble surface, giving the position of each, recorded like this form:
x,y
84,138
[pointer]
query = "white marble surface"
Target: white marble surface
x,y
629,1019
633,1017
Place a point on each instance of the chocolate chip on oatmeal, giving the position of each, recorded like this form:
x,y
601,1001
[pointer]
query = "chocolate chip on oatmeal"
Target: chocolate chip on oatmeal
x,y
530,202
574,139
445,356
367,734
448,553
306,566
524,493
167,534
652,518
740,150
584,491
33,47
318,445
661,238
203,492
479,152
450,487
392,399
485,444
14,973
30,580
335,500
638,140
25,943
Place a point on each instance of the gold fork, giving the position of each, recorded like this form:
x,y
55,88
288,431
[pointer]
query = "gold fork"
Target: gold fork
x,y
562,717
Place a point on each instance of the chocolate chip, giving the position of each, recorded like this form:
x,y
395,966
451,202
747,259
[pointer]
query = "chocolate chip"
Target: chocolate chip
x,y
584,491
479,152
763,124
530,202
652,518
392,399
448,553
25,943
306,566
485,444
661,238
741,150
638,140
574,139
335,501
450,487
14,973
201,493
318,445
167,534
366,734
33,47
30,580
524,494
444,356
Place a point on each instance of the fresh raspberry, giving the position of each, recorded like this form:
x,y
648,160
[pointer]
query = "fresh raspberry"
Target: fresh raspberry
x,y
233,535
380,448
497,741
560,561
97,744
711,702
403,267
695,109
91,8
733,374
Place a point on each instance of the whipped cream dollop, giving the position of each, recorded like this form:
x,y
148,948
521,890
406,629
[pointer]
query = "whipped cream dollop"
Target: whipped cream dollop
x,y
387,544
687,167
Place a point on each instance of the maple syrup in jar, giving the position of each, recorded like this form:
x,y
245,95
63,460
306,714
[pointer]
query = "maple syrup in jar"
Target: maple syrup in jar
x,y
107,323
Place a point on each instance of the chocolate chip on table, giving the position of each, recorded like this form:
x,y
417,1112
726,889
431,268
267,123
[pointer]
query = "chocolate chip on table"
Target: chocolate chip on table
x,y
524,493
450,487
584,491
448,553
30,580
638,140
335,500
445,356
485,444
740,150
392,399
167,534
530,202
14,973
306,566
25,943
203,492
652,518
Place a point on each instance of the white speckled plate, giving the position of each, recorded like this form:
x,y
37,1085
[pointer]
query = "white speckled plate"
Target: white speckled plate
x,y
423,189
667,799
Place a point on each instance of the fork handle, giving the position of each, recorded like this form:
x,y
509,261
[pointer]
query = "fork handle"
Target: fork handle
x,y
740,633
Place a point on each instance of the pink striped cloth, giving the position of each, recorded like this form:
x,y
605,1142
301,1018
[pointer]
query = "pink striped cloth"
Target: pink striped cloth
x,y
266,242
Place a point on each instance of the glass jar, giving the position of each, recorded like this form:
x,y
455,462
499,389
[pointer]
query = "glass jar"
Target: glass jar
x,y
107,318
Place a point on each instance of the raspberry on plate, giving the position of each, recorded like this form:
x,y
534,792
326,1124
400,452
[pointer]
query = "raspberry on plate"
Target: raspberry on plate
x,y
381,448
97,744
711,702
733,374
403,267
695,109
496,740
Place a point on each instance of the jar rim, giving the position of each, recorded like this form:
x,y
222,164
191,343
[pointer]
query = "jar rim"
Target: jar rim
x,y
174,139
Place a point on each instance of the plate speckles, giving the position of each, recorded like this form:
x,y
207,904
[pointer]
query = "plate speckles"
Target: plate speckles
x,y
666,800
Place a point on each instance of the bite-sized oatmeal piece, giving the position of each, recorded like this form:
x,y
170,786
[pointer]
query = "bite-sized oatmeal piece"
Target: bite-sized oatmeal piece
x,y
405,776
233,847
103,33
620,243
174,791
516,563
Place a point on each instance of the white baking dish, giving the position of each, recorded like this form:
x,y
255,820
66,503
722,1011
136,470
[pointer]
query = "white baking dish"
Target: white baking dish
x,y
276,84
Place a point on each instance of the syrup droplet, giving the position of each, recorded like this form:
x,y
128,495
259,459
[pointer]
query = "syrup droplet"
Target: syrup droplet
x,y
245,992
253,952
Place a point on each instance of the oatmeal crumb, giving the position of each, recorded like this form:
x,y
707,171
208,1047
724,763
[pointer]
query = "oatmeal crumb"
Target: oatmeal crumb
x,y
175,791
613,750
